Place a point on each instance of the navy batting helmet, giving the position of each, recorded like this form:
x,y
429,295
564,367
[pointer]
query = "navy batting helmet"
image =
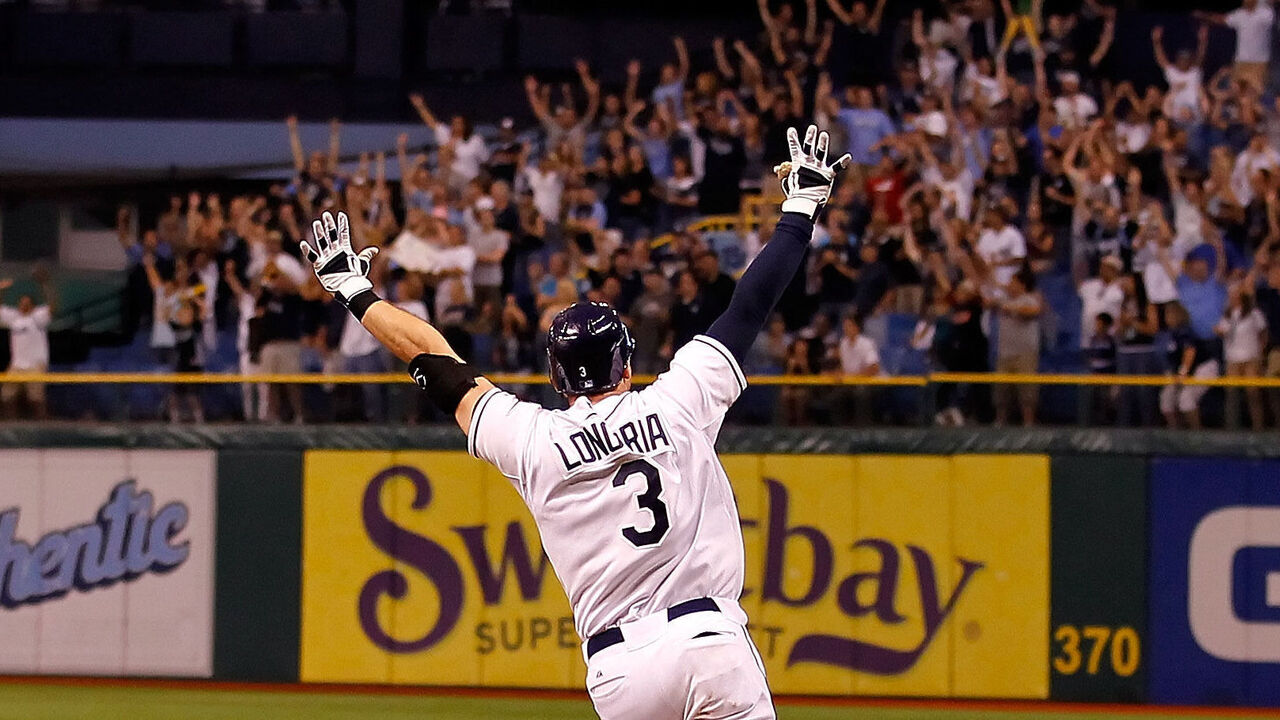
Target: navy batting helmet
x,y
588,349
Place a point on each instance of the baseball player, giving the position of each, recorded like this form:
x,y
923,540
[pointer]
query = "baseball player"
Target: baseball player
x,y
635,511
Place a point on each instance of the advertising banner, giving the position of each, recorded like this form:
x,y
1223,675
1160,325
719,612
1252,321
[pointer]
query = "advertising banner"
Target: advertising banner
x,y
878,575
106,562
1099,588
1215,582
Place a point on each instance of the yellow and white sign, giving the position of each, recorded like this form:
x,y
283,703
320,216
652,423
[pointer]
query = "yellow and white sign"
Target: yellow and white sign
x,y
884,575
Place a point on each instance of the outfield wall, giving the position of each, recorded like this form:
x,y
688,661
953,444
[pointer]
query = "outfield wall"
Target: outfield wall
x,y
1071,565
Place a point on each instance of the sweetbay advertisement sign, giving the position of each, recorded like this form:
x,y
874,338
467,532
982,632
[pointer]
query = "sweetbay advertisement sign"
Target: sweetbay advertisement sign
x,y
872,574
106,562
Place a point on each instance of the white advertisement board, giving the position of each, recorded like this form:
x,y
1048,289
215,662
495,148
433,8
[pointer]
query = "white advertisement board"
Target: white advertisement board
x,y
106,562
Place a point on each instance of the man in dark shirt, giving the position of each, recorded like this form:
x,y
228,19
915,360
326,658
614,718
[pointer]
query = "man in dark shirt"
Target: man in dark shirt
x,y
858,47
903,97
687,317
1057,204
280,318
506,153
873,280
715,287
722,168
1057,194
1109,236
629,279
1268,300
837,278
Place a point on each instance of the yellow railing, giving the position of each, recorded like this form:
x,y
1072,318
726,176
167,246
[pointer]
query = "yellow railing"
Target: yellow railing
x,y
755,209
68,378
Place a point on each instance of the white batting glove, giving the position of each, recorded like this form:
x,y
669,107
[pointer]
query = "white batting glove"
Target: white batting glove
x,y
340,270
807,179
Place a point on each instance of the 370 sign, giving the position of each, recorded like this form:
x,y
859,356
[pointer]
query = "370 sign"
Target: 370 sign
x,y
1094,648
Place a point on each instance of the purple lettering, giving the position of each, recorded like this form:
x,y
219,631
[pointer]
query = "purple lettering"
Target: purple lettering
x,y
515,555
776,539
886,583
425,556
866,657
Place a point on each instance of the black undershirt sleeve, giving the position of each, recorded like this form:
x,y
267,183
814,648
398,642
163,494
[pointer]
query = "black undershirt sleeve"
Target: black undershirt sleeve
x,y
762,285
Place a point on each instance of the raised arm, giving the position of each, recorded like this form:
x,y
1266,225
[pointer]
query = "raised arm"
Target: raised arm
x,y
1042,79
775,47
1202,44
629,122
917,30
1105,39
1157,46
806,181
420,105
592,88
877,16
232,278
751,70
295,144
149,267
452,384
124,227
1069,160
723,66
844,16
823,52
1168,163
48,289
811,22
536,102
1209,17
797,95
682,58
402,158
335,144
631,93
766,17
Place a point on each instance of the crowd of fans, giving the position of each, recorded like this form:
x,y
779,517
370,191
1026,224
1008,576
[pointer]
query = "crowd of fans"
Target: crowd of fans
x,y
995,158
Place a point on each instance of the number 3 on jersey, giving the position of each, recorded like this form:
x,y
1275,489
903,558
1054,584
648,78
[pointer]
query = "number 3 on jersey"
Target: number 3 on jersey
x,y
650,499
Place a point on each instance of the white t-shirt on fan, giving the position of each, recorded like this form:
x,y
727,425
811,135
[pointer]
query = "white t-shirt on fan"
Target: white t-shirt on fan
x,y
1253,32
858,355
998,246
1242,335
28,337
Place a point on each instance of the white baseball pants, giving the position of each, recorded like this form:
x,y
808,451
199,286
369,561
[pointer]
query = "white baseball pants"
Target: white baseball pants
x,y
699,666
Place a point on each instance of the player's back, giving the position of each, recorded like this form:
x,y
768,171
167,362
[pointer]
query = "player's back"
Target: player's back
x,y
634,509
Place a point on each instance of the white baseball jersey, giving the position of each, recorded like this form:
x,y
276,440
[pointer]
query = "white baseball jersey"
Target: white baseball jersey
x,y
635,511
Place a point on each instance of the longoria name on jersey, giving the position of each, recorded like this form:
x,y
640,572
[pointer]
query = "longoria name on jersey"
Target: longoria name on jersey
x,y
595,441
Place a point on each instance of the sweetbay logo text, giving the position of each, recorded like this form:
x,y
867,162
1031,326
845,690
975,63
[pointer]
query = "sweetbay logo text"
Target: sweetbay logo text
x,y
126,539
887,573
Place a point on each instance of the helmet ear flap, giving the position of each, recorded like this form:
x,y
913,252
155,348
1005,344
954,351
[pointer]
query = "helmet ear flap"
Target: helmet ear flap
x,y
555,372
622,354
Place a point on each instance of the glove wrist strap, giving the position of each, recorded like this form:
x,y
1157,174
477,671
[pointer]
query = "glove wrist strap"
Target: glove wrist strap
x,y
360,303
805,207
